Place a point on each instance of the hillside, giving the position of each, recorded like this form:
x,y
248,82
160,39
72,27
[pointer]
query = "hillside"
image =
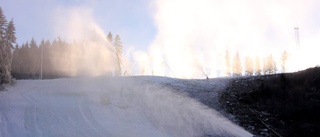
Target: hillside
x,y
114,107
276,105
273,105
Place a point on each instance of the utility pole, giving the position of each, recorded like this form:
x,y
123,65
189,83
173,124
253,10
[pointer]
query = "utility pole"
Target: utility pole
x,y
41,61
297,37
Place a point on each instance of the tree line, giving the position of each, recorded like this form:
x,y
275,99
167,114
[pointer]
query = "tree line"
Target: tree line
x,y
53,59
57,58
253,66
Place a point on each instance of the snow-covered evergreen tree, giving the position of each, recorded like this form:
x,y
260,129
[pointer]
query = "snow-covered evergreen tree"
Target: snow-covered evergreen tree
x,y
10,40
7,40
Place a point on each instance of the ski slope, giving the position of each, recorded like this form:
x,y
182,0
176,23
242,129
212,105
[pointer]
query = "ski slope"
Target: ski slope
x,y
112,107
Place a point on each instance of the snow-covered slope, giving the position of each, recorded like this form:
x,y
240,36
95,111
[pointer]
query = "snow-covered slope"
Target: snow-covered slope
x,y
111,107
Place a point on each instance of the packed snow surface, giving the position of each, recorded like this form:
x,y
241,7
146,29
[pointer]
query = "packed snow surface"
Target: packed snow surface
x,y
112,107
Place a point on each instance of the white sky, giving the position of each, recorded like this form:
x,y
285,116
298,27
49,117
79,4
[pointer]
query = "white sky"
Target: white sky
x,y
183,38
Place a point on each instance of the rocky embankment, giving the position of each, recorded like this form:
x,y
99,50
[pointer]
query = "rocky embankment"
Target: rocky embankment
x,y
276,105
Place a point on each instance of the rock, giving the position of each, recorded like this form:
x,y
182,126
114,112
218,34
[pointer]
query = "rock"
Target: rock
x,y
265,113
251,128
282,123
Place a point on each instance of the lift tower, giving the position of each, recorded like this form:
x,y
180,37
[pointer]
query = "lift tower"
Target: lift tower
x,y
296,29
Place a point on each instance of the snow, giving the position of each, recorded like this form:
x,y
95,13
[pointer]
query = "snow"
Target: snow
x,y
112,107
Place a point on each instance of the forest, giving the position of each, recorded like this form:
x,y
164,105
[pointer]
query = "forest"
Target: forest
x,y
59,58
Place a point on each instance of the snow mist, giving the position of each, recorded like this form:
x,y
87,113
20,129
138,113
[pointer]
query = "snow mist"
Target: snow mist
x,y
135,107
90,53
144,106
192,36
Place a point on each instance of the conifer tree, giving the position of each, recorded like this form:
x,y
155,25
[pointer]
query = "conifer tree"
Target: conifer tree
x,y
16,61
118,49
249,71
227,63
258,69
270,66
110,37
237,68
3,25
284,61
10,40
7,40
